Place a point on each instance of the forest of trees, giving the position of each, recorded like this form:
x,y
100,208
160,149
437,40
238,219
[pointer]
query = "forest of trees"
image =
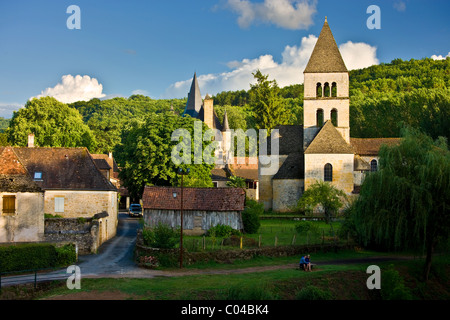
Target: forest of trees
x,y
383,99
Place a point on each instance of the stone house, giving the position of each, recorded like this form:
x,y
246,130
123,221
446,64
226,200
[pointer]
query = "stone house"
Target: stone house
x,y
21,201
72,184
321,149
203,208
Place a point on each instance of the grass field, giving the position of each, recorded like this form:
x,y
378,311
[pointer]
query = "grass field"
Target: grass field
x,y
328,281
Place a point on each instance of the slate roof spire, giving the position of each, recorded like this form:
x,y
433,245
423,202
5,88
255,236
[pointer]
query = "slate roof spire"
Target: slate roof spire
x,y
194,102
226,126
325,56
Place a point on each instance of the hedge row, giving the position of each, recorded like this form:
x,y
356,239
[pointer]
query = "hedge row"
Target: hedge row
x,y
35,256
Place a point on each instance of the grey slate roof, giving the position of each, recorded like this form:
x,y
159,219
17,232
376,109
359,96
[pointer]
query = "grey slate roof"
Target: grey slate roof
x,y
292,168
290,140
325,56
329,140
194,102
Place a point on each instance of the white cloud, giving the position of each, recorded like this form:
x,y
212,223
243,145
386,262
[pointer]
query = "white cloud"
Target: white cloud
x,y
288,72
358,55
289,14
7,109
71,89
141,92
439,57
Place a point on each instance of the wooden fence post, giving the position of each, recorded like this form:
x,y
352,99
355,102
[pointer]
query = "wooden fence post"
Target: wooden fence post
x,y
259,241
276,240
293,239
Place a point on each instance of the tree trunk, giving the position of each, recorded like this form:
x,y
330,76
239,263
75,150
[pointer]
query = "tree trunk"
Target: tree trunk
x,y
430,249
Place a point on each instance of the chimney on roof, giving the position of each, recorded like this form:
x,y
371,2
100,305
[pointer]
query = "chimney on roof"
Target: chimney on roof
x,y
31,140
110,155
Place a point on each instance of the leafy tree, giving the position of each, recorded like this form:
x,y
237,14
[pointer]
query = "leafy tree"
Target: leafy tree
x,y
250,216
325,195
145,154
236,182
269,111
405,205
53,123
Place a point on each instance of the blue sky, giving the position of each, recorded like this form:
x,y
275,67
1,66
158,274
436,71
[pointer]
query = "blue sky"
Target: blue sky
x,y
154,47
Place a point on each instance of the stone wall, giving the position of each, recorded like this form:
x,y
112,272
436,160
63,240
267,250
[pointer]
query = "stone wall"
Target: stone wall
x,y
286,193
27,223
229,256
342,170
82,231
85,204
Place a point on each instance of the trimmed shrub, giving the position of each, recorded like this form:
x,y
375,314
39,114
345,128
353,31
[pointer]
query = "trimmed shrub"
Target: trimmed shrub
x,y
307,226
250,216
66,255
28,257
161,236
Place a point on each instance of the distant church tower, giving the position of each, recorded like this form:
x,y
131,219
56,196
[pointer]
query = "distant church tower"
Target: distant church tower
x,y
326,89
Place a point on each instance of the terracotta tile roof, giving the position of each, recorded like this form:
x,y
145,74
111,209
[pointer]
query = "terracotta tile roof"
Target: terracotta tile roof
x,y
14,177
202,199
63,168
219,174
325,56
371,146
329,140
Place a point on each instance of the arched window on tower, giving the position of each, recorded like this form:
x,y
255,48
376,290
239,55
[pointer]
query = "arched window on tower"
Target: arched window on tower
x,y
334,89
328,172
319,117
334,117
326,89
373,165
319,90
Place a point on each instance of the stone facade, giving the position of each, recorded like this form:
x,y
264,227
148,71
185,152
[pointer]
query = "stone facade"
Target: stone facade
x,y
27,223
342,165
286,193
85,204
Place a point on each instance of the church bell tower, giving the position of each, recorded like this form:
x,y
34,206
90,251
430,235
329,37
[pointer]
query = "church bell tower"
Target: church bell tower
x,y
326,89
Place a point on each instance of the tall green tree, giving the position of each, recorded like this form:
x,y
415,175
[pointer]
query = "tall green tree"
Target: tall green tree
x,y
53,123
405,205
268,108
145,154
323,194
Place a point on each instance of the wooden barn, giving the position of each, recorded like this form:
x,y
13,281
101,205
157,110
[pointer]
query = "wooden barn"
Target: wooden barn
x,y
203,208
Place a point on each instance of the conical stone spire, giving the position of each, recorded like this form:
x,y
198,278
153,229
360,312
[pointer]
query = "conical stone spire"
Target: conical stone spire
x,y
325,56
226,126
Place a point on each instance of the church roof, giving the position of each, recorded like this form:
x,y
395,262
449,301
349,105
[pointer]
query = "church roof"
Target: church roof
x,y
292,168
329,140
194,102
325,56
371,146
290,139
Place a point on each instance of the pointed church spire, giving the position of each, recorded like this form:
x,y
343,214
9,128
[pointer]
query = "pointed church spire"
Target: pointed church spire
x,y
225,122
194,102
325,56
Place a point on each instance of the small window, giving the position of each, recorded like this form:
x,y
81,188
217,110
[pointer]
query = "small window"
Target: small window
x,y
328,172
319,117
334,89
319,90
9,204
59,204
215,184
334,117
326,90
373,165
38,175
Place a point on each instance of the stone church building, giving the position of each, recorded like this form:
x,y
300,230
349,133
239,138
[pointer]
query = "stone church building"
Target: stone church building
x,y
322,148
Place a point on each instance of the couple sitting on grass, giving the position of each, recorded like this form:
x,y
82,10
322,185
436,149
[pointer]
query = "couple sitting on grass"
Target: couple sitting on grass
x,y
305,263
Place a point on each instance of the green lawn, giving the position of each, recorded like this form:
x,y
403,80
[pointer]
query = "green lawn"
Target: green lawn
x,y
272,232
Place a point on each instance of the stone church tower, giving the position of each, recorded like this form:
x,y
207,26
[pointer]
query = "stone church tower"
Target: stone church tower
x,y
326,85
328,155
